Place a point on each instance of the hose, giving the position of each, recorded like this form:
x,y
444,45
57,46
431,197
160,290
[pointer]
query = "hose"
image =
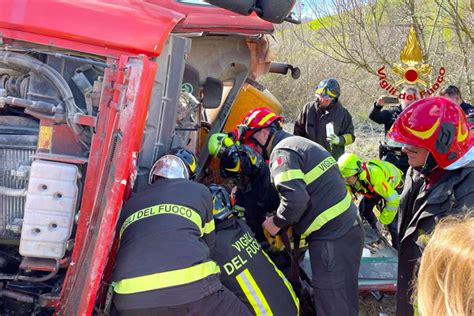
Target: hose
x,y
54,77
40,279
18,277
20,297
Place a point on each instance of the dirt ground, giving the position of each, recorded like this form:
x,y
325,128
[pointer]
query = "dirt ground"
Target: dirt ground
x,y
369,306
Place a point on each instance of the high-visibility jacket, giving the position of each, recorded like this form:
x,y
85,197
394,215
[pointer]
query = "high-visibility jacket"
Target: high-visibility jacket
x,y
248,272
313,195
166,232
382,179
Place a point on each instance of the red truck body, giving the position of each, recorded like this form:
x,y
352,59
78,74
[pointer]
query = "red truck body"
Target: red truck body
x,y
127,37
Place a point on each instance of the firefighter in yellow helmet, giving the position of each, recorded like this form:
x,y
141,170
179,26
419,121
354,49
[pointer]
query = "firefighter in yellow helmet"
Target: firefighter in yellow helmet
x,y
377,181
253,191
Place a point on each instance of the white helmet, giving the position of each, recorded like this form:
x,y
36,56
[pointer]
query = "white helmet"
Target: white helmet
x,y
178,163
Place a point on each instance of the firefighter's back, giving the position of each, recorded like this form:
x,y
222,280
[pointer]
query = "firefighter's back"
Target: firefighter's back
x,y
248,272
162,259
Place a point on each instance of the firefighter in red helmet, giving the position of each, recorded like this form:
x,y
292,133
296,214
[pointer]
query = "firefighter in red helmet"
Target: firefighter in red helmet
x,y
315,202
440,181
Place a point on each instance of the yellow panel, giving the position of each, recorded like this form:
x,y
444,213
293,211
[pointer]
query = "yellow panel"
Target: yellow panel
x,y
45,137
250,98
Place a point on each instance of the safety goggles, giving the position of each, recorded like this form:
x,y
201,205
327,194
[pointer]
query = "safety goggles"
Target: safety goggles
x,y
324,96
324,93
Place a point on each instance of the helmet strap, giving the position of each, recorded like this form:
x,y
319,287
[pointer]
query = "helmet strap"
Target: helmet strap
x,y
262,146
429,166
272,130
259,144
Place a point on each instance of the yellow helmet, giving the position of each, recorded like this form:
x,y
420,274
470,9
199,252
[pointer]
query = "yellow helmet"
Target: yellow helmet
x,y
349,164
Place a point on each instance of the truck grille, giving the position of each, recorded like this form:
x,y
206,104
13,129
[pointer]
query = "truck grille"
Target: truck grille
x,y
12,208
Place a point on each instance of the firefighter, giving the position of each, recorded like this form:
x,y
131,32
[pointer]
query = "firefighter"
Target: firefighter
x,y
246,269
325,121
315,202
439,145
163,264
389,150
380,183
254,191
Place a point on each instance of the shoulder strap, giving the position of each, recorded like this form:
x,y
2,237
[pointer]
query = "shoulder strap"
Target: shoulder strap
x,y
294,256
367,183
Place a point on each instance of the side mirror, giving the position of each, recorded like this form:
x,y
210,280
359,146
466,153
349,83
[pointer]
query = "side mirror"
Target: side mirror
x,y
244,7
213,89
281,68
276,11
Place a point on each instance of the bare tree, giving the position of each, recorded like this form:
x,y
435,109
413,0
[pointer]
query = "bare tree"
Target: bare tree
x,y
368,34
463,29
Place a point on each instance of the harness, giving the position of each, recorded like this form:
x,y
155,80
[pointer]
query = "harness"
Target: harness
x,y
366,184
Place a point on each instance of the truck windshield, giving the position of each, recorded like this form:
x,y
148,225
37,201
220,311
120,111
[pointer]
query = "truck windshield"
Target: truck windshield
x,y
197,2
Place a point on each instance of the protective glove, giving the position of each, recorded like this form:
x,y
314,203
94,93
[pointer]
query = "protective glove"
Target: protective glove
x,y
334,139
386,217
239,210
275,242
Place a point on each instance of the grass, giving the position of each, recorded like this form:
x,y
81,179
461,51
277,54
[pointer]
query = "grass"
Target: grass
x,y
366,144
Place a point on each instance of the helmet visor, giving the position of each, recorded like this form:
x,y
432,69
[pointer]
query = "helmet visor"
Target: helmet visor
x,y
324,93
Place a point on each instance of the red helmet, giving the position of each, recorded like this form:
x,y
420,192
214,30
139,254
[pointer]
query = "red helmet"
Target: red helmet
x,y
438,125
254,121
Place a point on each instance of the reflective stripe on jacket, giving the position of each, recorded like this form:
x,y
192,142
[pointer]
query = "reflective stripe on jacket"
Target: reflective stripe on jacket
x,y
165,241
249,273
313,196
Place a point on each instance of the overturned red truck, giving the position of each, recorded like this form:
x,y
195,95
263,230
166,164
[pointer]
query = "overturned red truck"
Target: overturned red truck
x,y
91,93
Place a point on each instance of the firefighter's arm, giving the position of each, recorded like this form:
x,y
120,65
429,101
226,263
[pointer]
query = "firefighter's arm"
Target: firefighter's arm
x,y
347,130
209,234
300,123
391,197
288,179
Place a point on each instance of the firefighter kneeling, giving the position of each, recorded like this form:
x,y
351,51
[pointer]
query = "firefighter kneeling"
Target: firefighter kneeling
x,y
380,182
246,269
163,264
